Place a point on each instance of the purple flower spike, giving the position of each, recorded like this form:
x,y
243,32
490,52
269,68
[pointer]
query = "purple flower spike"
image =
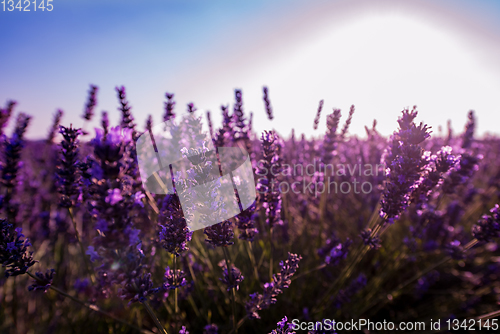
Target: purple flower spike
x,y
405,162
272,289
219,235
138,288
174,233
88,113
68,172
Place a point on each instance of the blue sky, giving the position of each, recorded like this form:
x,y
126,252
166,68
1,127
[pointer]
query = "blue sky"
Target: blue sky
x,y
340,51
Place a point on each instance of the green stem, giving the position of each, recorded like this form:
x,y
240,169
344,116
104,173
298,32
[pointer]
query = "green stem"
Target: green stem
x,y
248,246
233,294
176,308
271,255
82,249
91,306
154,317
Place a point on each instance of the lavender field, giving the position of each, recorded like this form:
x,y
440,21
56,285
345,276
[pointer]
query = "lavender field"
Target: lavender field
x,y
398,229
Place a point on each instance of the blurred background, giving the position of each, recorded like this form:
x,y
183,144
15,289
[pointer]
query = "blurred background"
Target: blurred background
x,y
381,56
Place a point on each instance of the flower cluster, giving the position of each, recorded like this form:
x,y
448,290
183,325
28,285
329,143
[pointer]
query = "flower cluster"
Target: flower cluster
x,y
405,163
14,255
233,279
488,227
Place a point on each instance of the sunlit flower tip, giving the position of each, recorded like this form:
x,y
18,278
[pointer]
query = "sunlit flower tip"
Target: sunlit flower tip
x,y
114,196
42,281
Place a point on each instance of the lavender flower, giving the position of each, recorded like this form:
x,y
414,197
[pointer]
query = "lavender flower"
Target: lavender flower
x,y
334,250
14,254
267,103
174,233
461,173
284,327
468,135
43,281
210,125
183,330
173,279
88,113
346,124
246,223
272,289
5,114
225,134
369,240
12,154
232,280
488,227
149,123
330,140
219,235
169,107
105,123
439,165
137,289
241,131
68,174
318,115
338,253
55,126
405,163
211,329
127,118
12,163
268,196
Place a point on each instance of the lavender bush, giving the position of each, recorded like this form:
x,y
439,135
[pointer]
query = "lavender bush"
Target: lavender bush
x,y
404,228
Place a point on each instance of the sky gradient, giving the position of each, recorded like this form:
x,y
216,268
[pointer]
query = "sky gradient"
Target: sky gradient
x,y
381,56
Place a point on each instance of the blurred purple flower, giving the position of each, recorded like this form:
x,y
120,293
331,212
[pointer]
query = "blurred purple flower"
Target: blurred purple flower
x,y
284,327
43,281
211,329
233,280
14,255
